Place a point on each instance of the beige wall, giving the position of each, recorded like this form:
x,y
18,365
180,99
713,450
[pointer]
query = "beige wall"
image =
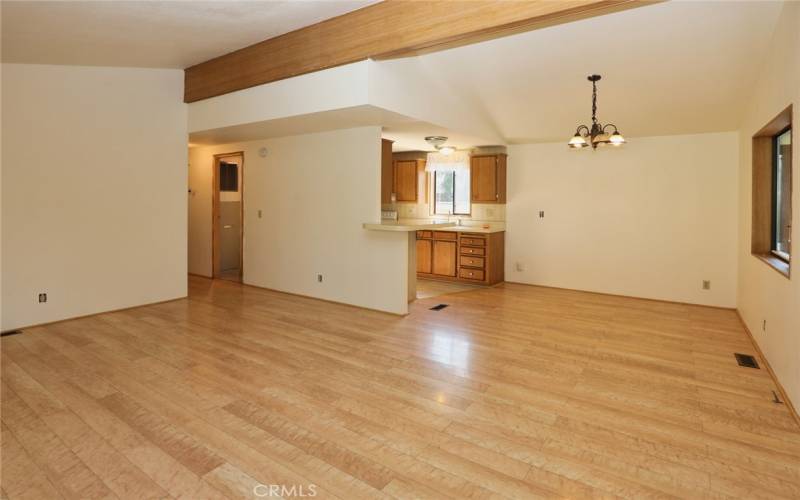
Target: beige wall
x,y
94,186
314,191
653,219
763,293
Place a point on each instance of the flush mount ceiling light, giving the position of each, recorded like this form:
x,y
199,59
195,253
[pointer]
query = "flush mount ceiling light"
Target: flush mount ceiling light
x,y
437,141
597,134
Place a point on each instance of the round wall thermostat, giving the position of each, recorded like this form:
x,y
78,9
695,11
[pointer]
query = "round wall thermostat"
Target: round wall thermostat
x,y
262,152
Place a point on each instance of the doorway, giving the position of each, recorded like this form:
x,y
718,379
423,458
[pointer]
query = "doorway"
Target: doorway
x,y
228,217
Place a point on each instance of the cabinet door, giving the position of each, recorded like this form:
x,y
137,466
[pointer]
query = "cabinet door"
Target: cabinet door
x,y
424,256
405,180
484,179
444,258
387,173
501,178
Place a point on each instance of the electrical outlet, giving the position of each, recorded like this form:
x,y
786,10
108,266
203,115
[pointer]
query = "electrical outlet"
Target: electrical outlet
x,y
490,212
764,326
541,214
319,278
259,214
706,285
520,266
42,298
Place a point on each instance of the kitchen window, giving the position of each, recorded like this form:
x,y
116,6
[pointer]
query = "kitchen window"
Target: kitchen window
x,y
782,195
450,182
451,192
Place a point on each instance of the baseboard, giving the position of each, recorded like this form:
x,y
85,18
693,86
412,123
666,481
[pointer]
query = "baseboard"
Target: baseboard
x,y
786,400
73,318
397,315
200,276
663,301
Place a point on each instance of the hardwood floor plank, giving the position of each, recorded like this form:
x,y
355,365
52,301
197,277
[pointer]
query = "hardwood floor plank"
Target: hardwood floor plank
x,y
511,392
70,476
122,477
167,473
22,478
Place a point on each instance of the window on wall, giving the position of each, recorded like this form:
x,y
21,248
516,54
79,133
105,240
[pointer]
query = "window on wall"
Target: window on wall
x,y
782,195
771,238
451,192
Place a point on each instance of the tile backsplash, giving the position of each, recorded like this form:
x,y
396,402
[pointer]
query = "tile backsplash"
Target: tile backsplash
x,y
490,212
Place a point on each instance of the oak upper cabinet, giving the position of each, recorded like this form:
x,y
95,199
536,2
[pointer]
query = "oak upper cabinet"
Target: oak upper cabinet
x,y
405,180
387,172
488,178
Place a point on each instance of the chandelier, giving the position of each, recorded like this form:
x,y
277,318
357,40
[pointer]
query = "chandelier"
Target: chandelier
x,y
597,134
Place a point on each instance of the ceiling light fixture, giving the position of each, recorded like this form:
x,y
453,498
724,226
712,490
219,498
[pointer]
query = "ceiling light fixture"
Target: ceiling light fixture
x,y
437,141
597,135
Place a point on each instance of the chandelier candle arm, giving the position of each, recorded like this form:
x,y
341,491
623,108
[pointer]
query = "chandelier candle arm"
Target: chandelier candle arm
x,y
597,134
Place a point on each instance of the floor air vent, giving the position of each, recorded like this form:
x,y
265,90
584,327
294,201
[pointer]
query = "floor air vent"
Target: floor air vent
x,y
12,332
746,360
439,307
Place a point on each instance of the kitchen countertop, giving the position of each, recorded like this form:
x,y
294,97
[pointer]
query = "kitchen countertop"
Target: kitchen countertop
x,y
414,225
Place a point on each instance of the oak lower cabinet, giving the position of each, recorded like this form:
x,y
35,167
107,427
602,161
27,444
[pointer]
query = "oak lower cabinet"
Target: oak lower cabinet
x,y
445,256
461,256
424,255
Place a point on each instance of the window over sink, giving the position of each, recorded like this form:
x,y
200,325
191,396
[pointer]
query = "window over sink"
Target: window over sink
x,y
451,192
450,183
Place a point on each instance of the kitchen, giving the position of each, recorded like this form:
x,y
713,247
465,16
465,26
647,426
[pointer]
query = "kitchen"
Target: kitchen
x,y
452,204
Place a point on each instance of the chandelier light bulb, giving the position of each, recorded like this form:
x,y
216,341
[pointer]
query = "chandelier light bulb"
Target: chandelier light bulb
x,y
577,142
616,139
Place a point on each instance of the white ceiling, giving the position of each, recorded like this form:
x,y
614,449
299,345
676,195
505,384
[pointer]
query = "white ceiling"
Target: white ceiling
x,y
669,68
155,34
676,67
410,136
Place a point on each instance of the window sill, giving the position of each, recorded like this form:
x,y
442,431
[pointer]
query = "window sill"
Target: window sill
x,y
775,263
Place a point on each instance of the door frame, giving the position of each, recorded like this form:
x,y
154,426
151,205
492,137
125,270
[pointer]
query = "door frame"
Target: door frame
x,y
215,215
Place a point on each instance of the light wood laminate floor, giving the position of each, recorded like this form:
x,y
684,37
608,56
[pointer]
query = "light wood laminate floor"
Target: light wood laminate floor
x,y
431,288
511,392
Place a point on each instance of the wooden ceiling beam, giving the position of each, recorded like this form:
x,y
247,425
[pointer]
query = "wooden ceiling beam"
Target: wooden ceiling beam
x,y
393,28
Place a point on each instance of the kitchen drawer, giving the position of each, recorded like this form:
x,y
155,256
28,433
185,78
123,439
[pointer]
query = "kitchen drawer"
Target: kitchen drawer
x,y
476,242
424,235
472,251
471,274
469,261
445,235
